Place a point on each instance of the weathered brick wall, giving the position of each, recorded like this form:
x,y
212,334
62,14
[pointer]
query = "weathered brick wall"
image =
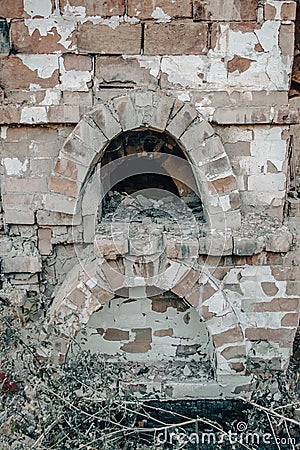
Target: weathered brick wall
x,y
230,62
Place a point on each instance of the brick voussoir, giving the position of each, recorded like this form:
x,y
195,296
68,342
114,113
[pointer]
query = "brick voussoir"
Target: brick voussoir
x,y
282,336
64,186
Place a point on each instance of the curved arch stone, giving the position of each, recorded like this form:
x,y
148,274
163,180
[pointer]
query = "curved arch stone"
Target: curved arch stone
x,y
86,145
88,288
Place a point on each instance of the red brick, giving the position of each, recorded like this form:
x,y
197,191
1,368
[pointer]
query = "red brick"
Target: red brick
x,y
293,288
78,62
237,366
12,9
256,259
290,320
205,313
161,304
22,264
277,304
143,9
136,347
115,70
283,336
63,114
286,273
15,200
24,97
229,336
110,249
207,291
163,333
142,342
15,75
114,334
63,186
125,39
269,12
222,185
286,39
106,8
244,27
187,350
23,42
175,38
269,288
238,63
234,352
193,296
66,168
39,135
44,241
288,10
24,185
221,10
274,259
44,233
186,283
258,48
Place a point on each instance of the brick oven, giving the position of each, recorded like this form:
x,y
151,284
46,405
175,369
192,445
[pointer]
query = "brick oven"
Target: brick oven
x,y
150,185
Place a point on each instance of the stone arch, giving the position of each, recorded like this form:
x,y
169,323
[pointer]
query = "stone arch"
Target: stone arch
x,y
139,110
88,288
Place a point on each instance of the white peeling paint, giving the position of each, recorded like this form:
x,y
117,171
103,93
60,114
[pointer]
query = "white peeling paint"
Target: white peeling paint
x,y
3,133
270,71
63,26
216,71
184,97
268,35
268,145
277,5
13,166
38,7
112,22
225,202
35,114
75,80
34,87
52,97
183,70
235,134
44,64
234,42
206,112
278,70
131,20
206,101
151,63
78,12
160,16
91,283
216,303
43,26
137,12
278,164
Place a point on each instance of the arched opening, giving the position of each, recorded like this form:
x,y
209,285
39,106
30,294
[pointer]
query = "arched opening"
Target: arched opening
x,y
145,111
161,338
162,174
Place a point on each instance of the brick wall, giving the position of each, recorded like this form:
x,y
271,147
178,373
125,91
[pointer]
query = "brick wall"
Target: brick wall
x,y
75,74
